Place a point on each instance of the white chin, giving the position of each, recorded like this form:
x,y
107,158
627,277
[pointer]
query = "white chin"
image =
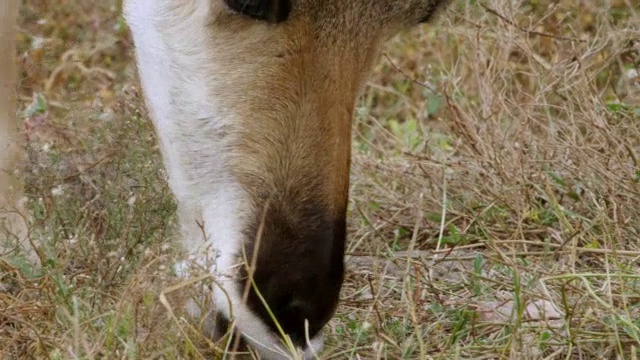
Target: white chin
x,y
314,347
312,351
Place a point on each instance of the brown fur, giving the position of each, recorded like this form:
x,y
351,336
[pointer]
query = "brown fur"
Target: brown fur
x,y
294,87
297,122
295,139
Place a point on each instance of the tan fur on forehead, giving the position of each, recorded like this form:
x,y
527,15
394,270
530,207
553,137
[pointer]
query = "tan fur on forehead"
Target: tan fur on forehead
x,y
365,12
296,125
293,90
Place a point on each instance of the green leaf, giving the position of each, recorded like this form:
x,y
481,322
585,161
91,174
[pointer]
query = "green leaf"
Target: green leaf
x,y
38,106
434,103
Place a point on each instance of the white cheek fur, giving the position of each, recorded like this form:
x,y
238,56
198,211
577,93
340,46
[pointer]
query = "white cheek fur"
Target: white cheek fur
x,y
171,64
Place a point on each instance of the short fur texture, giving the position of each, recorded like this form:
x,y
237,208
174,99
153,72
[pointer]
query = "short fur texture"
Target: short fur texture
x,y
253,103
253,108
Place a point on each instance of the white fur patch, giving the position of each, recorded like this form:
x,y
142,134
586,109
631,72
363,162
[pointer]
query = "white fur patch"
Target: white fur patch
x,y
175,67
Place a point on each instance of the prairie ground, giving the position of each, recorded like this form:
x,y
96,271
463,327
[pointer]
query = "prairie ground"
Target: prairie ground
x,y
495,200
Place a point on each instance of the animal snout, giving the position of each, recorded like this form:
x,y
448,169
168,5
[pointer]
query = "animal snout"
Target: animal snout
x,y
300,308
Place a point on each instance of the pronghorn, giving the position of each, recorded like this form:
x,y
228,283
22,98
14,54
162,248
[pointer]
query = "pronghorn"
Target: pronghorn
x,y
252,101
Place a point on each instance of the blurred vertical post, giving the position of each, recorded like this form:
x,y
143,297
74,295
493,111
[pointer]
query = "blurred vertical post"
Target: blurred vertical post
x,y
8,126
12,225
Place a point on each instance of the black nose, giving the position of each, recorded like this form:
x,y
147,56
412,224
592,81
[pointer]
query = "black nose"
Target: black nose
x,y
299,270
301,306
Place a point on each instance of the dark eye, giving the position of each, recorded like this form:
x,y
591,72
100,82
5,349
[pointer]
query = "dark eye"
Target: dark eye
x,y
273,11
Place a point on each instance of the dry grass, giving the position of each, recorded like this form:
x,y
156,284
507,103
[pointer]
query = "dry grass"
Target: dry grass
x,y
495,205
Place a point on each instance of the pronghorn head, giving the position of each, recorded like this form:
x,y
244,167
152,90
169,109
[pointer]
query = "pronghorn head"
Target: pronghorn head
x,y
253,102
